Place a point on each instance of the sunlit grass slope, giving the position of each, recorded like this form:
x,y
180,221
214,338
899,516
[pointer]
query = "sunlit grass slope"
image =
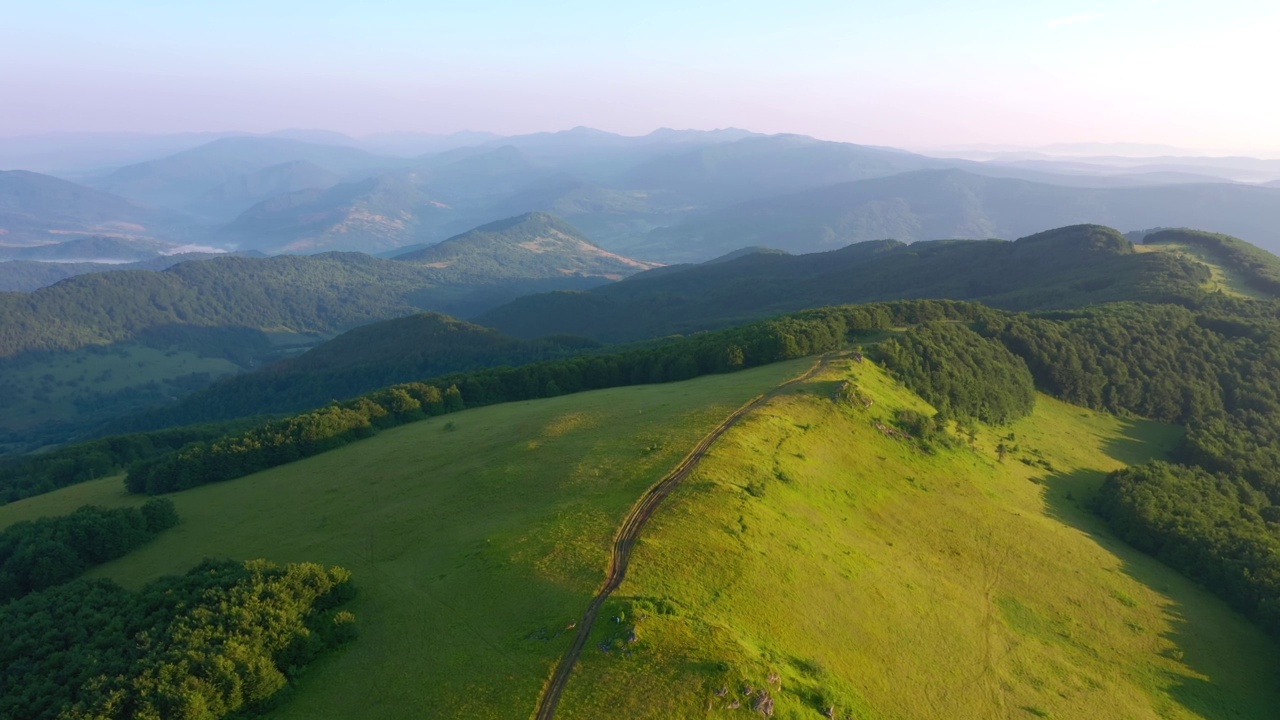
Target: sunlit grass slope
x,y
474,547
1223,279
872,580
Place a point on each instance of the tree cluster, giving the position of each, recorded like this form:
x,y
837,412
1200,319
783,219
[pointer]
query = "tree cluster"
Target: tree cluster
x,y
37,554
27,475
961,373
218,641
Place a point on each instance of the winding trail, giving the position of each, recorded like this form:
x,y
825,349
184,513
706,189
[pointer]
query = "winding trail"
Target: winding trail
x,y
629,532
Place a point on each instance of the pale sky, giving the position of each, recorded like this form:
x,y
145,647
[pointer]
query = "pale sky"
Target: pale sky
x,y
909,73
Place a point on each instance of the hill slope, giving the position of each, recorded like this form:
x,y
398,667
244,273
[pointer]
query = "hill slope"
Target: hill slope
x,y
809,544
1243,268
812,548
1067,267
37,209
935,204
233,197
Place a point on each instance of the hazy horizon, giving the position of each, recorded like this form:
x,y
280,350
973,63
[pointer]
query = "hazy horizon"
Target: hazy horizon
x,y
920,74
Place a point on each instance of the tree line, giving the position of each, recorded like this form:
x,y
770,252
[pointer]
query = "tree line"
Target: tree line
x,y
218,641
1219,532
37,554
24,476
306,434
1213,367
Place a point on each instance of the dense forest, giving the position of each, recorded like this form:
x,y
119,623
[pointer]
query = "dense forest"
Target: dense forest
x,y
220,640
41,553
320,293
1218,531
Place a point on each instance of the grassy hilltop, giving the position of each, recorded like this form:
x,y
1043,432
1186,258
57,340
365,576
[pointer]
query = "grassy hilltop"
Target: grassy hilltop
x,y
877,581
869,575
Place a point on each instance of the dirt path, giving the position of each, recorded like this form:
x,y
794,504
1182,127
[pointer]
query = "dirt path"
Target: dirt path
x,y
629,533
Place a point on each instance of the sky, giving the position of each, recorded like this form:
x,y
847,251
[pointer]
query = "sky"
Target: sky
x,y
910,73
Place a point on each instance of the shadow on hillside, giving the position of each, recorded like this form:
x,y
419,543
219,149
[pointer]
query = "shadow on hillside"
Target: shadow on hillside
x,y
1141,441
1066,499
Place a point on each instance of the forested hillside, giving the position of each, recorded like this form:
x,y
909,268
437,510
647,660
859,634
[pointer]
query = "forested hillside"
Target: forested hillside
x,y
1259,269
31,275
1067,267
358,361
97,346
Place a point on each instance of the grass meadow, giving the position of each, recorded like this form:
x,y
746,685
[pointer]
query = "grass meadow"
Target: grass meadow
x,y
476,538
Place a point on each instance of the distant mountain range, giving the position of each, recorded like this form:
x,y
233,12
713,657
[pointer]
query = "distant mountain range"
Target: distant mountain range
x,y
668,196
956,204
185,179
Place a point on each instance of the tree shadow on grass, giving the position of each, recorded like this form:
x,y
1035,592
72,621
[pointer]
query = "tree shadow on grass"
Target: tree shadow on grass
x,y
1189,609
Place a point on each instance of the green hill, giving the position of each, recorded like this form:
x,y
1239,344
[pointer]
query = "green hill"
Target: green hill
x,y
366,358
531,245
809,544
319,293
933,204
817,560
1068,267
